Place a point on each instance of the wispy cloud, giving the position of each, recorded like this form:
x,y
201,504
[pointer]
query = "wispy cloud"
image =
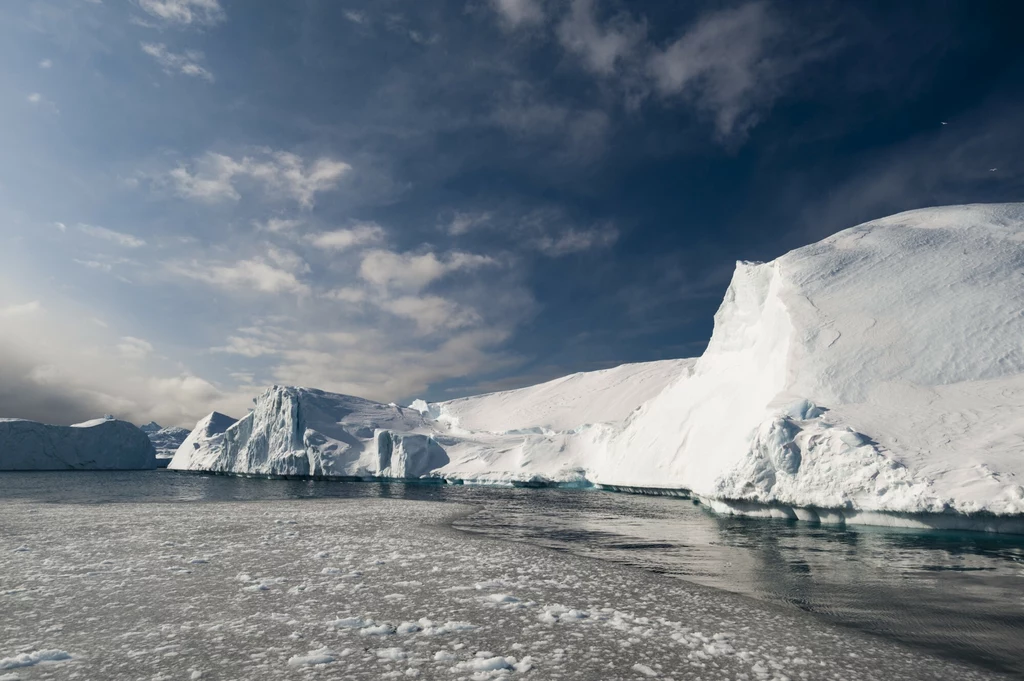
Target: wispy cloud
x,y
414,272
343,239
185,12
134,348
213,176
727,64
119,238
576,240
185,63
19,309
34,98
601,47
45,63
275,273
516,13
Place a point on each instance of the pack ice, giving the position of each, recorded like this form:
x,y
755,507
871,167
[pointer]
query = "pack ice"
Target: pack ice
x,y
100,444
878,370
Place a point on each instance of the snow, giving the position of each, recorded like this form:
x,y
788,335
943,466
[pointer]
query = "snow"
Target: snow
x,y
100,444
869,377
33,658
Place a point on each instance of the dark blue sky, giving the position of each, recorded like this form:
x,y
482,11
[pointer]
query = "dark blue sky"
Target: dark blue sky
x,y
199,198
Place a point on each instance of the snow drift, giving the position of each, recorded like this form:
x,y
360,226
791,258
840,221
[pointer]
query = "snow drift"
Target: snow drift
x,y
100,444
879,370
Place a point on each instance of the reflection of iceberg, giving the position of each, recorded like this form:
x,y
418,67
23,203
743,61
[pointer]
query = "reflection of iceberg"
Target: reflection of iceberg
x,y
880,370
100,444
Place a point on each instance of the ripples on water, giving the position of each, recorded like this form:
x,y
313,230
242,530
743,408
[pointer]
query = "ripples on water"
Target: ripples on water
x,y
956,594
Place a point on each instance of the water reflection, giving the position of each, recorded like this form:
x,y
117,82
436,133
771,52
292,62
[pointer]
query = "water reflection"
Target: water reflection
x,y
957,594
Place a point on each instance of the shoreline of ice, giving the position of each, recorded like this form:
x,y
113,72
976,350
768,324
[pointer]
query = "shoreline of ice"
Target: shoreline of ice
x,y
983,522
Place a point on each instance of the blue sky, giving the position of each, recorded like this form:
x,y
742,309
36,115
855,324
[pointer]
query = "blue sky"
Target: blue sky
x,y
201,198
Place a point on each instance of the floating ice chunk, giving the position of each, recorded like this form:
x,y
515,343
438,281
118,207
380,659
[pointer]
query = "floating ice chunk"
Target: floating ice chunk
x,y
408,628
349,623
33,658
485,664
444,656
377,630
393,654
314,657
644,669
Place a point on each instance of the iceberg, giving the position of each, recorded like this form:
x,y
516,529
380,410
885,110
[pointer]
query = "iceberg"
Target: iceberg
x,y
165,440
876,374
101,444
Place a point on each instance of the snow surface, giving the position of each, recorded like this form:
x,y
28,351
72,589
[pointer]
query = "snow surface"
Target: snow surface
x,y
135,606
880,370
99,444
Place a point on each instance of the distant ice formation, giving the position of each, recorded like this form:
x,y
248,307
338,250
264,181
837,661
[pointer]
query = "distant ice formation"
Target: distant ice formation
x,y
100,444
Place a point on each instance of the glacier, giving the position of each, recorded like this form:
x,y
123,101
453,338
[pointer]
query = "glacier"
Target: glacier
x,y
868,377
100,444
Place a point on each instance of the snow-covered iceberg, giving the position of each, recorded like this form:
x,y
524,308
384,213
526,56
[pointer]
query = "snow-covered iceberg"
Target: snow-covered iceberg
x,y
165,440
100,444
879,370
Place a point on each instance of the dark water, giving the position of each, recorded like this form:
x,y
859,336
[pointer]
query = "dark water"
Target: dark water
x,y
959,595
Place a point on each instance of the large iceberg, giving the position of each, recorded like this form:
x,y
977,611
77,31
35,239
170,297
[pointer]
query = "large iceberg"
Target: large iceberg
x,y
880,370
100,444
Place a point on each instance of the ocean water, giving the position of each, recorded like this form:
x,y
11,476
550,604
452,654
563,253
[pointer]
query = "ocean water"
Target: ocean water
x,y
958,596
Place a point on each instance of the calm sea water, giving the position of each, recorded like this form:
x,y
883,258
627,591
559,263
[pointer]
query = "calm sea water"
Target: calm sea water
x,y
959,595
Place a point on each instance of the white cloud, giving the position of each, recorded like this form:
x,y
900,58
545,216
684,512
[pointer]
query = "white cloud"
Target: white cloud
x,y
519,12
412,272
575,240
185,12
19,309
45,64
213,176
431,313
355,17
724,64
256,274
463,223
61,226
119,238
186,63
134,348
343,239
34,98
277,225
347,294
600,47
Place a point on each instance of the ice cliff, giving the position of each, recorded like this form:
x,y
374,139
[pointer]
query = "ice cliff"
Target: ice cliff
x,y
878,370
165,440
100,444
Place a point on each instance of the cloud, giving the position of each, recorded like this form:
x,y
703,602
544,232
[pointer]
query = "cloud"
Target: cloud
x,y
600,47
463,223
414,272
20,309
185,12
213,176
355,17
34,98
256,274
517,13
185,63
277,225
134,348
727,64
343,239
576,240
431,313
45,64
120,238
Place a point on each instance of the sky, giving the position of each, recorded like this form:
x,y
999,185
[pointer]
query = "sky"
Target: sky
x,y
403,199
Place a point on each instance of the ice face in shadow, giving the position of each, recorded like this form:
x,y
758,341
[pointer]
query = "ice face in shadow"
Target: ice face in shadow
x,y
100,444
